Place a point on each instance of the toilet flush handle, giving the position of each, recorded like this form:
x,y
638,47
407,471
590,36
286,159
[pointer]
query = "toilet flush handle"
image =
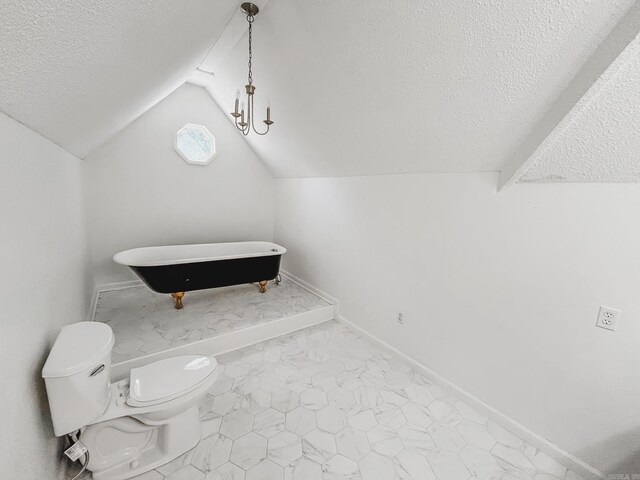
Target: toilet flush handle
x,y
97,370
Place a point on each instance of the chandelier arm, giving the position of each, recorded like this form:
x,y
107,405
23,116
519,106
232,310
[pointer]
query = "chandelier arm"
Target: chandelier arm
x,y
263,133
244,130
253,123
249,112
236,122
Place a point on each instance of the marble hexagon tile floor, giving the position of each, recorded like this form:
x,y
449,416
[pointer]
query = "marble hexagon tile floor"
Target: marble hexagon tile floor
x,y
145,322
324,403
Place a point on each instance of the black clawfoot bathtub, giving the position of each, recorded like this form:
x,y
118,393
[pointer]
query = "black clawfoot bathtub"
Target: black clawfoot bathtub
x,y
176,269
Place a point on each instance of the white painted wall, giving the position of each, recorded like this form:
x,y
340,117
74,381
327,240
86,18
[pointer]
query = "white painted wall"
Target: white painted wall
x,y
43,286
500,291
140,192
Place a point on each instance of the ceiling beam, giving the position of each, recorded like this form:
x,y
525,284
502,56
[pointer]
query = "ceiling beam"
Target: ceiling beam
x,y
600,68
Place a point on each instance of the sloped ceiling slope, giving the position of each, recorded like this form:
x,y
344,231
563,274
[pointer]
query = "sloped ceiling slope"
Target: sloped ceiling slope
x,y
599,141
78,71
359,87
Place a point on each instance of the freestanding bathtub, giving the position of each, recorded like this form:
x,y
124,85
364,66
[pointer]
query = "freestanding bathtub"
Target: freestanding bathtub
x,y
176,269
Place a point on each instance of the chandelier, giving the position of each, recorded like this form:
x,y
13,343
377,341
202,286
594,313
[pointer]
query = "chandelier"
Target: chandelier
x,y
245,125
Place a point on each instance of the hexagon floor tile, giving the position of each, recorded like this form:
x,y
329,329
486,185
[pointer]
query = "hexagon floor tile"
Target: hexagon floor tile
x,y
324,403
206,313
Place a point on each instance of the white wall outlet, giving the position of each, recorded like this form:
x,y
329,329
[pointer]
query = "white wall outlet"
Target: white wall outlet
x,y
400,318
607,318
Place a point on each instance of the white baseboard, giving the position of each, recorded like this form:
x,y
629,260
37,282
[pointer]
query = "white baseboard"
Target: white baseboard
x,y
565,458
226,342
311,288
136,283
561,456
106,288
230,341
252,335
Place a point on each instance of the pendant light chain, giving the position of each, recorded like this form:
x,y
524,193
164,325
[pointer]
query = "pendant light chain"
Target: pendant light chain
x,y
239,115
250,20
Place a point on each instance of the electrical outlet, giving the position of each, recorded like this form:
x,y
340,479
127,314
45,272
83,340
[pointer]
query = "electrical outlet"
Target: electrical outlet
x,y
607,318
400,318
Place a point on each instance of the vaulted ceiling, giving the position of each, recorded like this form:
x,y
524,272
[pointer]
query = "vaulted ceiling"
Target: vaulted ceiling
x,y
361,88
599,140
356,87
78,71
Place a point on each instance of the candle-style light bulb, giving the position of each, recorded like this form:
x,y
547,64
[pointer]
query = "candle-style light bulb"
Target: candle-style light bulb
x,y
268,120
235,110
242,116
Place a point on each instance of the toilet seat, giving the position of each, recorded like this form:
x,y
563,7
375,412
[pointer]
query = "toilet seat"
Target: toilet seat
x,y
168,379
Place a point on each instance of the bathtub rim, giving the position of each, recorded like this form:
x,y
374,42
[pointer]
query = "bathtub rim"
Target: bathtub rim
x,y
128,257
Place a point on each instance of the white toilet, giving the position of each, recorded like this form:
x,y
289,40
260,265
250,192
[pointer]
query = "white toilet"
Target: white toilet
x,y
131,426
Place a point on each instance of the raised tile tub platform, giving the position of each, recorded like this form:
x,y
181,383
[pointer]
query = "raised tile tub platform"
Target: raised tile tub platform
x,y
147,327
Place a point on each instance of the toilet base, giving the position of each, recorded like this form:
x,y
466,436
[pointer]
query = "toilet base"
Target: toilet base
x,y
124,447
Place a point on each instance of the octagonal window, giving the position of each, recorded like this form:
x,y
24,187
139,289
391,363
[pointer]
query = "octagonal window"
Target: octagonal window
x,y
195,144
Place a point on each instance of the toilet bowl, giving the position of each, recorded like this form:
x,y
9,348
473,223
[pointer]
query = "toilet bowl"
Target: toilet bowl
x,y
133,425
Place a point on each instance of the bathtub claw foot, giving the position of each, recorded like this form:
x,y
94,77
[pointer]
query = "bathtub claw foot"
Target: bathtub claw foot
x,y
177,296
263,286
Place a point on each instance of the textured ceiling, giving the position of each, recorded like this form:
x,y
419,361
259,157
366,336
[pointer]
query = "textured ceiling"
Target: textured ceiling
x,y
599,141
356,87
78,71
359,87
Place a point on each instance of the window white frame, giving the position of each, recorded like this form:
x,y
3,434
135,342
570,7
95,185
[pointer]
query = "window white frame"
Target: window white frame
x,y
208,156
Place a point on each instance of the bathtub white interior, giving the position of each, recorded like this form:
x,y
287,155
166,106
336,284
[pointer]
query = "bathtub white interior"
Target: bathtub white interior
x,y
179,254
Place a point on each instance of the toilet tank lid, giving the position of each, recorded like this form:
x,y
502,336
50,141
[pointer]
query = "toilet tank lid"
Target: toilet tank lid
x,y
78,347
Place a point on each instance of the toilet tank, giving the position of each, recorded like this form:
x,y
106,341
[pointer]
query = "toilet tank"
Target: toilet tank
x,y
76,375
